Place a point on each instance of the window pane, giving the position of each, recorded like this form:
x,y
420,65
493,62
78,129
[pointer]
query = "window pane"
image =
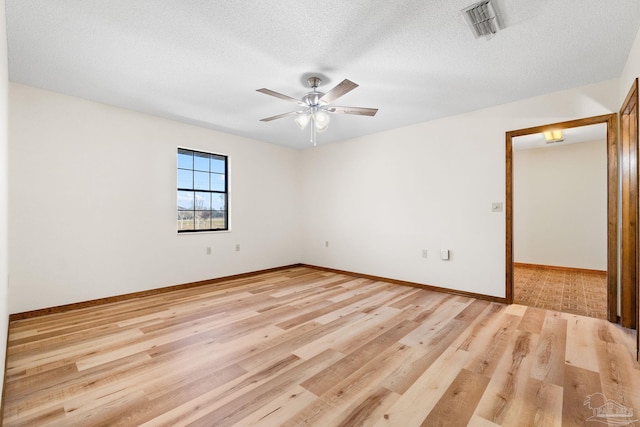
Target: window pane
x,y
185,178
217,164
185,159
218,219
201,180
203,201
201,161
218,202
217,182
203,220
185,200
185,220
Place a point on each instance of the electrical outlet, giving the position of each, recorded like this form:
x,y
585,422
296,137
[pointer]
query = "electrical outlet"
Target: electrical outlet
x,y
237,247
424,253
444,254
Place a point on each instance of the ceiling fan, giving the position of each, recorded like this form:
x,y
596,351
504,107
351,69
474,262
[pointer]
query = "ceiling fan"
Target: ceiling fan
x,y
316,108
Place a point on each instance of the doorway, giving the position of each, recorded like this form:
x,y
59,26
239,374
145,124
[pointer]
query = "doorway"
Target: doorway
x,y
560,220
610,121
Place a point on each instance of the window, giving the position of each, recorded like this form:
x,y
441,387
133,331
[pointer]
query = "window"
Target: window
x,y
202,191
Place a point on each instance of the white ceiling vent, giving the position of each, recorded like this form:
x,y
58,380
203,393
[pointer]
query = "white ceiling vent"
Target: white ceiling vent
x,y
482,19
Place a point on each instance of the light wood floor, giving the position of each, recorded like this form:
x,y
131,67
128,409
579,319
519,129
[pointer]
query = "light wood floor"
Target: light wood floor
x,y
307,347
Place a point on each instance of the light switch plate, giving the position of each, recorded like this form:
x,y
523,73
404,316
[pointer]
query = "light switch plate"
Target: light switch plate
x,y
496,207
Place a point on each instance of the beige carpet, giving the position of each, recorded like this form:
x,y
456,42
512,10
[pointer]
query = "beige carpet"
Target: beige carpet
x,y
570,291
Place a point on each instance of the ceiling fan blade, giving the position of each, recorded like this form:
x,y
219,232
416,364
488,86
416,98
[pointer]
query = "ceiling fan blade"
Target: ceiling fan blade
x,y
360,111
281,96
344,87
279,116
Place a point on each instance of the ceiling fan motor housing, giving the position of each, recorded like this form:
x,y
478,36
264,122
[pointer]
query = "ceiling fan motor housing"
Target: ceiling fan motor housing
x,y
314,82
312,99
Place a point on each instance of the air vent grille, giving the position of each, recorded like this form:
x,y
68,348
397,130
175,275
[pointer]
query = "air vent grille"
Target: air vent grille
x,y
482,19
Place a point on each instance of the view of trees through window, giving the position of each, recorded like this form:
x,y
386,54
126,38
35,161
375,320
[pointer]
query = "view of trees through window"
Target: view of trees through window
x,y
202,191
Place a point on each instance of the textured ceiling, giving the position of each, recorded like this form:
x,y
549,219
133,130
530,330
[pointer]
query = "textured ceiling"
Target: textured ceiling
x,y
201,61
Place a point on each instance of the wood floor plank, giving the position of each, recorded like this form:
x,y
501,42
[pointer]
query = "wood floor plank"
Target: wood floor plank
x,y
408,372
415,297
487,351
221,401
303,346
365,305
532,320
516,310
439,316
46,416
478,421
358,333
507,386
46,360
540,405
550,353
457,404
371,407
581,342
105,409
178,394
360,339
337,372
57,392
195,330
329,308
616,369
257,359
417,402
355,395
292,400
475,331
210,412
579,384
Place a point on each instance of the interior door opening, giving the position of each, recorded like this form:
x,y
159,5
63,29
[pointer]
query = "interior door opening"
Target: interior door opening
x,y
611,147
560,220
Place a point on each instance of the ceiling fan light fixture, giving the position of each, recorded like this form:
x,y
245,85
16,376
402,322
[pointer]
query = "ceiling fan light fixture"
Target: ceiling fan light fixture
x,y
302,120
321,121
482,19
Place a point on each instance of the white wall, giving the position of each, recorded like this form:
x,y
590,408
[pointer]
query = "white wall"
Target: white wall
x,y
631,70
92,203
4,199
380,199
560,205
